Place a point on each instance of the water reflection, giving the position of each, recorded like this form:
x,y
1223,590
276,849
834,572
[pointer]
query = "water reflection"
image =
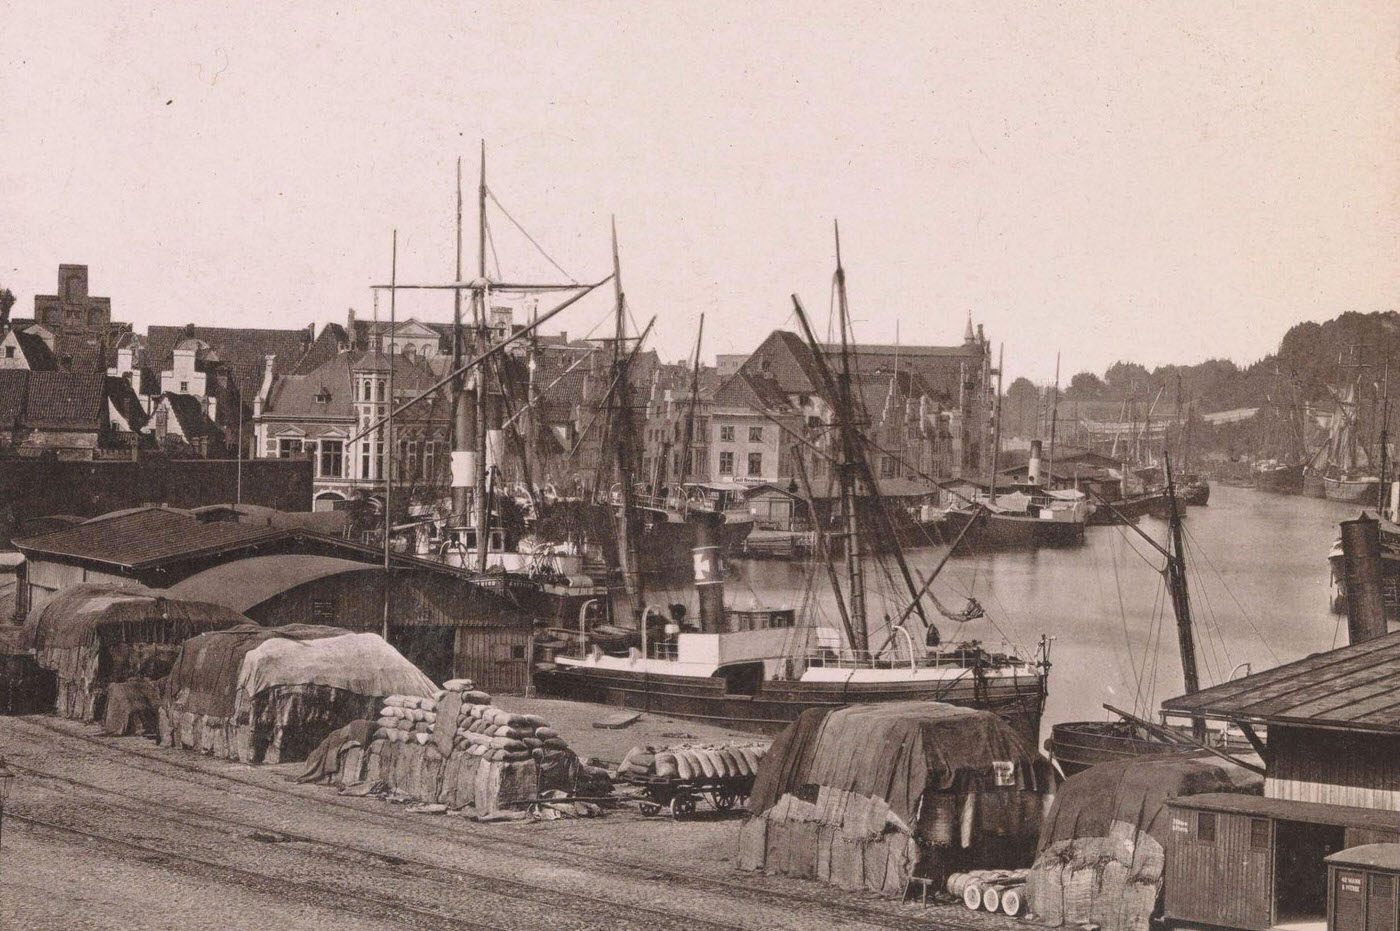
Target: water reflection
x,y
1259,589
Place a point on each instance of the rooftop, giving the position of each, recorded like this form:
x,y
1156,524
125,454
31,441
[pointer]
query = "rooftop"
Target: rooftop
x,y
143,538
1351,688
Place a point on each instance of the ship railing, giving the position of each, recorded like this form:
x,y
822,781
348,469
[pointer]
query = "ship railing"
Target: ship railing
x,y
900,659
665,649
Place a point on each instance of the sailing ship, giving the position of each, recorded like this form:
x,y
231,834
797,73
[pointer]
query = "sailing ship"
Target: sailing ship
x,y
1077,745
758,669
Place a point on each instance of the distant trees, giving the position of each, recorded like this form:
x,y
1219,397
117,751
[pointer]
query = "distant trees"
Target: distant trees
x,y
1086,386
7,301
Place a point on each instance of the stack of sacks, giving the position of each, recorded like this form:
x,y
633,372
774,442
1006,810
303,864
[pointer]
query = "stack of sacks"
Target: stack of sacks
x,y
691,762
499,736
407,717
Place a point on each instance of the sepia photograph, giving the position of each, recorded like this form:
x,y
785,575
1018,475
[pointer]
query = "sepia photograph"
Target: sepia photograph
x,y
781,466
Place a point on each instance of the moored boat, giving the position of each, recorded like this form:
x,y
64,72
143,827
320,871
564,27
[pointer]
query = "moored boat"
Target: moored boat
x,y
1352,489
1277,477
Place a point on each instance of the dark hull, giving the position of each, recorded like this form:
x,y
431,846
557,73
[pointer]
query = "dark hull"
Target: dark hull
x,y
1196,494
1130,508
1390,584
1287,480
776,704
1077,745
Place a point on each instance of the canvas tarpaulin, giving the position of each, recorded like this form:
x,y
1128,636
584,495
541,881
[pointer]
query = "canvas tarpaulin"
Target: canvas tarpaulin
x,y
867,796
897,751
361,663
1101,854
95,634
204,678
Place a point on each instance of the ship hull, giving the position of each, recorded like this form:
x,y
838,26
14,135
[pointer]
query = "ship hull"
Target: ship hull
x,y
1287,480
1078,745
1351,491
775,704
1130,509
1196,494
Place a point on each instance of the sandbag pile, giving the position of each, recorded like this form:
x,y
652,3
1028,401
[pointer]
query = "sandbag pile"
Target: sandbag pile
x,y
457,750
694,762
407,717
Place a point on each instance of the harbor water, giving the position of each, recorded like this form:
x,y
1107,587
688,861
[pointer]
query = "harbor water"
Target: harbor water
x,y
1259,587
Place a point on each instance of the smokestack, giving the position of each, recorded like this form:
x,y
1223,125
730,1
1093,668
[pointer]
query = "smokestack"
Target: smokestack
x,y
1361,567
709,573
1033,475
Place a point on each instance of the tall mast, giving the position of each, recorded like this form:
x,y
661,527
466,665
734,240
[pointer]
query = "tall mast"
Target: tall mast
x,y
996,425
1054,416
855,569
623,444
1181,599
1385,423
387,463
483,518
463,401
686,454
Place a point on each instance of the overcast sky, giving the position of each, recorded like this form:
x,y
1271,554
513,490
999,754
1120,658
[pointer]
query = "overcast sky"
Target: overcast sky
x,y
1163,182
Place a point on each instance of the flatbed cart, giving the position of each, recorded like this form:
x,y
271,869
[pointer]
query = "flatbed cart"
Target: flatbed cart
x,y
680,796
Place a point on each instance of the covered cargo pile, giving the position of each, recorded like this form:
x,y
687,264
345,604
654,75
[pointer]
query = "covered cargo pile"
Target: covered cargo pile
x,y
93,635
1101,850
869,796
271,695
459,751
694,762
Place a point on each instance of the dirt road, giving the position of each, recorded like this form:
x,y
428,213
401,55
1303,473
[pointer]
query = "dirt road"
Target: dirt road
x,y
117,833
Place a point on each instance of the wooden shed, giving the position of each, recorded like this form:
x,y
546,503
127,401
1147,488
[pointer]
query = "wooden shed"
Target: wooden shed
x,y
444,624
1362,883
1241,861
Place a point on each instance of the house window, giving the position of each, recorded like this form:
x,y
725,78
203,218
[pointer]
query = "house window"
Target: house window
x,y
184,387
1258,833
381,384
726,463
288,447
887,467
9,352
323,396
332,458
726,434
429,455
1205,827
755,434
755,463
364,459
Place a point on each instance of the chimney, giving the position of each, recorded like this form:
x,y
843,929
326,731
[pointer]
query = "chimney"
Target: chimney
x,y
709,573
1033,473
1361,574
266,388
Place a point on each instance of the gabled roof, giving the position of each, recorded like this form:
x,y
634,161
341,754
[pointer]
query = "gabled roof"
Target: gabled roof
x,y
327,345
242,350
36,352
244,584
65,400
1356,687
143,538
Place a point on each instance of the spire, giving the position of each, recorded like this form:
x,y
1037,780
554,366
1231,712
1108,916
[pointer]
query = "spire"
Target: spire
x,y
969,336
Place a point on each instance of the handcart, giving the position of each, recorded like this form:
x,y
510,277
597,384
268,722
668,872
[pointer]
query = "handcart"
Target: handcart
x,y
680,796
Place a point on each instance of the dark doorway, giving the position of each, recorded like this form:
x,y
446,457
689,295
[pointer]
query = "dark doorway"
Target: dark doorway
x,y
742,678
1300,875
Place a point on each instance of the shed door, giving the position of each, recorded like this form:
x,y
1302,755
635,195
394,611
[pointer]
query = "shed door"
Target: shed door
x,y
1380,902
1348,904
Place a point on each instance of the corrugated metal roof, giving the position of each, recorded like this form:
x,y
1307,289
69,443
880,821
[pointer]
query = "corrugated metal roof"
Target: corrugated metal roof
x,y
1258,806
246,583
1354,687
143,538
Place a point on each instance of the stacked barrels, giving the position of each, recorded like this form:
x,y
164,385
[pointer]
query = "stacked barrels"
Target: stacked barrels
x,y
990,890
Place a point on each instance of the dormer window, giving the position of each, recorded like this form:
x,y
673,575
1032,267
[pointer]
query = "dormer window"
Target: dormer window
x,y
323,396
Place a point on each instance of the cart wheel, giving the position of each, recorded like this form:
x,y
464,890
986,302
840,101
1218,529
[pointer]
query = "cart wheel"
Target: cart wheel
x,y
723,799
682,805
648,809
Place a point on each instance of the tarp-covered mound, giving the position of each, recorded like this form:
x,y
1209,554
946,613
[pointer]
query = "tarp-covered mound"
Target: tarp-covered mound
x,y
133,708
271,695
92,635
1101,850
454,749
868,796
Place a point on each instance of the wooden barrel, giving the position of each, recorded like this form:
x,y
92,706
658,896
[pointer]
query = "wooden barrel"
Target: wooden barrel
x,y
955,884
991,898
972,895
1012,903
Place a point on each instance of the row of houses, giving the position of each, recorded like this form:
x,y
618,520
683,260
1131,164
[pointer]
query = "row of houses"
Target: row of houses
x,y
76,382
